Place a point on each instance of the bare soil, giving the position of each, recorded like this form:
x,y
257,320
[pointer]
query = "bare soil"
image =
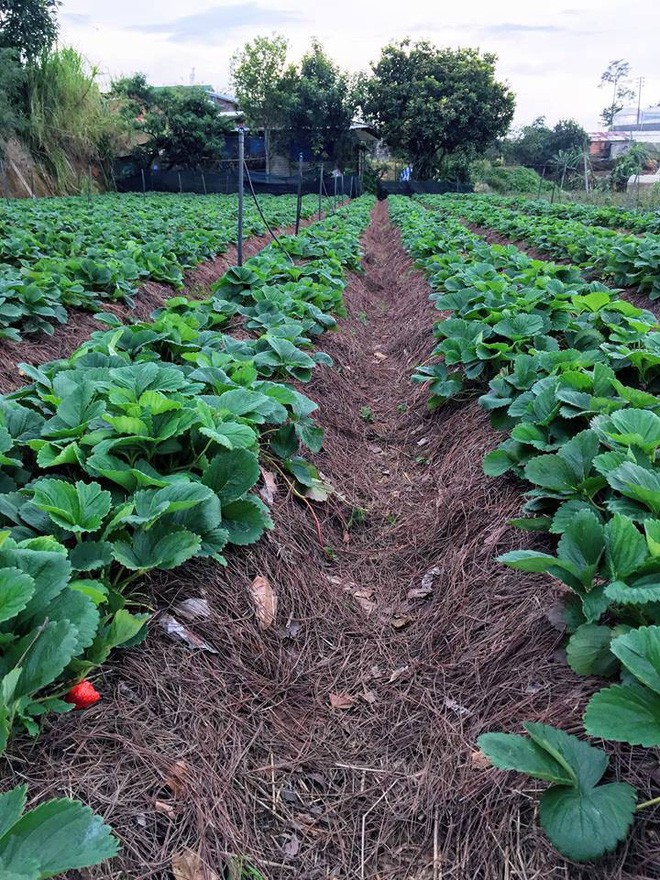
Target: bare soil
x,y
340,741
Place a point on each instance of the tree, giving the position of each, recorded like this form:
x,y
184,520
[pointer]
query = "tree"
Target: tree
x,y
616,74
182,124
262,80
430,102
630,163
321,104
537,144
28,26
569,135
12,79
530,145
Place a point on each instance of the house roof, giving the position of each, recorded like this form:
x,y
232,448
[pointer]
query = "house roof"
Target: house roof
x,y
608,137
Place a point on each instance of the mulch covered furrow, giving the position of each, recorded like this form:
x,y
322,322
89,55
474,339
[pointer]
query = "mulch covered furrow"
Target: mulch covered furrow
x,y
340,741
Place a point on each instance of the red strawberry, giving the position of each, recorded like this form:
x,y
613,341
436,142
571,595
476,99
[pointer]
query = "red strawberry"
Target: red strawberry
x,y
83,695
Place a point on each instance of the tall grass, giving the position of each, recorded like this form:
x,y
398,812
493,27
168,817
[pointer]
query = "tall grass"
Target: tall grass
x,y
70,125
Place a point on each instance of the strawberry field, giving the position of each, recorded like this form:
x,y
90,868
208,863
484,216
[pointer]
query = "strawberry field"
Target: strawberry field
x,y
296,564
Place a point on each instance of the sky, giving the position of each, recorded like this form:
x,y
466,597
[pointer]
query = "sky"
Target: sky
x,y
551,59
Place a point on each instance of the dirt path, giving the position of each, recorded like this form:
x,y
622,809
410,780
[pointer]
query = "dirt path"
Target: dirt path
x,y
339,743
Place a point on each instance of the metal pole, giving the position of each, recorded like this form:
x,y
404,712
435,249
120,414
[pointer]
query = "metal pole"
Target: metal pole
x,y
241,159
144,182
299,199
639,101
180,184
586,171
204,184
334,198
320,188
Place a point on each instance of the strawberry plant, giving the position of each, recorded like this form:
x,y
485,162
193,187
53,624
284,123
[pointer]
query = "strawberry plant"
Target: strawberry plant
x,y
54,837
73,253
142,450
576,390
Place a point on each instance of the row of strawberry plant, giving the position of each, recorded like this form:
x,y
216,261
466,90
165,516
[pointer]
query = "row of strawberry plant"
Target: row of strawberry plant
x,y
57,254
623,260
574,375
142,450
609,216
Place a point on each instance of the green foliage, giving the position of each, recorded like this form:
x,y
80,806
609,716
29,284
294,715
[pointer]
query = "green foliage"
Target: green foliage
x,y
69,121
429,102
28,26
506,179
11,83
76,253
622,259
630,163
54,837
583,819
262,82
183,126
320,108
574,377
142,451
615,76
537,144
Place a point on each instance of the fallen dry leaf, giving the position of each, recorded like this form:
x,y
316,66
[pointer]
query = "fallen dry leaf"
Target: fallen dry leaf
x,y
399,621
479,761
292,847
293,628
419,592
265,601
193,609
269,489
178,777
165,808
363,597
342,701
427,581
188,865
369,696
380,356
181,633
346,538
398,673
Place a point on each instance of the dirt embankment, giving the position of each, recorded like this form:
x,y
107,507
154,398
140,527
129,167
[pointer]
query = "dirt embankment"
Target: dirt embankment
x,y
340,742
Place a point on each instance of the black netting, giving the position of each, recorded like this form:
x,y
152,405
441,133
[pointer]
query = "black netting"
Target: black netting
x,y
227,182
431,187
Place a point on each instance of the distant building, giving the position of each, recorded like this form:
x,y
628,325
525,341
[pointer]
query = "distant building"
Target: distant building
x,y
627,129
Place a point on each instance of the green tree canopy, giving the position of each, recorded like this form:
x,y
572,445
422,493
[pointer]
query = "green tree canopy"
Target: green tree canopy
x,y
537,144
321,104
182,124
615,76
262,81
28,26
430,103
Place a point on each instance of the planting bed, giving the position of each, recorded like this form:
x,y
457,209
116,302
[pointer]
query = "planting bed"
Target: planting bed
x,y
315,710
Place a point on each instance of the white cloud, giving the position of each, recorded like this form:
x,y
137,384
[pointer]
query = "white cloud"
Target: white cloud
x,y
552,60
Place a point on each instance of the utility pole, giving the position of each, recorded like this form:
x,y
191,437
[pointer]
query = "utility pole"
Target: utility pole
x,y
241,160
299,192
639,100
